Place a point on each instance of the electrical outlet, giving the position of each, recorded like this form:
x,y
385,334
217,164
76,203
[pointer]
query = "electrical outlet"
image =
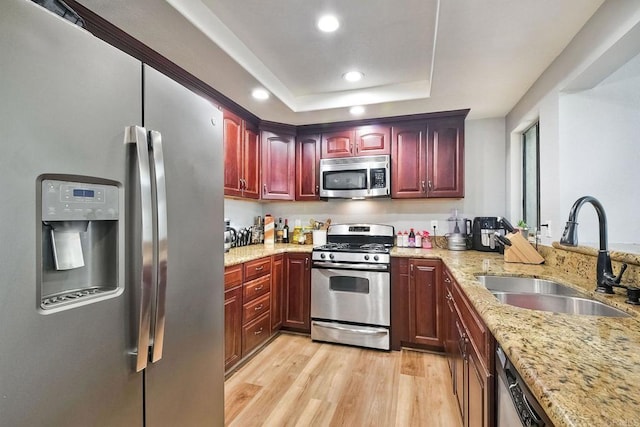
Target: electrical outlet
x,y
548,222
434,224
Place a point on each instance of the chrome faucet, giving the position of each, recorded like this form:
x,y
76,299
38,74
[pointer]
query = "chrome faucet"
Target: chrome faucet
x,y
605,277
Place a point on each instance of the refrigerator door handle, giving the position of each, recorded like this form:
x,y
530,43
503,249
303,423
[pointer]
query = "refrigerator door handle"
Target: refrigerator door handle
x,y
138,135
155,139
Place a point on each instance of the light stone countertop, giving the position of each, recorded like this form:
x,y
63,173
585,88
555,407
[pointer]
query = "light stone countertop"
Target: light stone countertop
x,y
584,370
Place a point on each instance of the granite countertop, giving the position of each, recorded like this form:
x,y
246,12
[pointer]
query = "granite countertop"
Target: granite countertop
x,y
584,370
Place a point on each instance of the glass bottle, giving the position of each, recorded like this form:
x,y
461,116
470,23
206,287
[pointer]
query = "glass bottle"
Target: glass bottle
x,y
285,231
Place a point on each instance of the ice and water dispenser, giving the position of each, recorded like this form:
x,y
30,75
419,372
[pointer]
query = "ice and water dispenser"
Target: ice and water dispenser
x,y
80,238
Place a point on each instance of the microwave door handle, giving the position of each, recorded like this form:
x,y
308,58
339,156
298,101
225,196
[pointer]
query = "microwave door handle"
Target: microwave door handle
x,y
138,135
162,253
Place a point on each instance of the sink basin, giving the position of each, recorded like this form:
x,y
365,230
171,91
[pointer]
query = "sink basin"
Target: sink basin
x,y
526,285
559,304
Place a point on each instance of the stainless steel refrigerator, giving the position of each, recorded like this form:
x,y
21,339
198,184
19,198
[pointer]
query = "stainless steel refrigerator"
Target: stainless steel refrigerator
x,y
111,245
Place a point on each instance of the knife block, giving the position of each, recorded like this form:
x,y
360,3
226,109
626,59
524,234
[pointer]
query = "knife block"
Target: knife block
x,y
521,250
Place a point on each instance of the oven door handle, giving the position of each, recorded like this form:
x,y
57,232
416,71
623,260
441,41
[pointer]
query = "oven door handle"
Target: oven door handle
x,y
352,330
351,266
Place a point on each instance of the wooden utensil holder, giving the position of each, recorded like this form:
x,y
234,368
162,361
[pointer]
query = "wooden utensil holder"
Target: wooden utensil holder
x,y
521,250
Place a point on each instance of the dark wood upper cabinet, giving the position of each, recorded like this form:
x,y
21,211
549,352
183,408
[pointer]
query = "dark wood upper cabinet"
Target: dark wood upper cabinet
x,y
408,161
372,140
308,167
241,157
428,158
445,154
338,144
358,141
251,163
278,166
232,141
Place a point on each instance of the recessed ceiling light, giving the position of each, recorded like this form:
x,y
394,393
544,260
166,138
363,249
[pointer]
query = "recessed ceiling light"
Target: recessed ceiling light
x,y
328,23
353,76
260,94
356,110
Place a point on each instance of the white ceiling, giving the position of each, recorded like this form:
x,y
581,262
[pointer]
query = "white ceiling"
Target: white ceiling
x,y
418,56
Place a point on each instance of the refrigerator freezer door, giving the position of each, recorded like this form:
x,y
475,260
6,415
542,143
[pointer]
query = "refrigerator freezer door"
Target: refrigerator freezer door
x,y
186,386
66,99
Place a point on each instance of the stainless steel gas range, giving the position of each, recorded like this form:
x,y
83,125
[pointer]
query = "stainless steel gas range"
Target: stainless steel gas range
x,y
351,286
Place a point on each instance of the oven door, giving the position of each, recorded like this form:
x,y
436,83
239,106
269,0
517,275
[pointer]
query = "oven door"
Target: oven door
x,y
351,296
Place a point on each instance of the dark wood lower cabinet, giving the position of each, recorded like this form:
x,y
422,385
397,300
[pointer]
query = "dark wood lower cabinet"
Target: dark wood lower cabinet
x,y
277,291
232,326
297,302
469,348
416,303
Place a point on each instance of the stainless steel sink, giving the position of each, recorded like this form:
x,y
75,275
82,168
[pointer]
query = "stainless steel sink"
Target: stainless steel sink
x,y
526,285
559,304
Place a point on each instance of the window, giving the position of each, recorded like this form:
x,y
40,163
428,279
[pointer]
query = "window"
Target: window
x,y
531,176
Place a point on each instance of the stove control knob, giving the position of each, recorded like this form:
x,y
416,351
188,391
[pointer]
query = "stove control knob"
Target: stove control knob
x,y
323,256
376,257
331,256
366,257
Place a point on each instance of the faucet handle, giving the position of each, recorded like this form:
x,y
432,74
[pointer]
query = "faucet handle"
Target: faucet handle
x,y
622,270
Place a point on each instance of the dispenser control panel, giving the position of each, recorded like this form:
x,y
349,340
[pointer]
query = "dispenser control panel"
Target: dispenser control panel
x,y
78,201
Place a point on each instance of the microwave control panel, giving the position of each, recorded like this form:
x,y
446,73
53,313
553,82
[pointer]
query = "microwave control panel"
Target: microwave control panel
x,y
378,178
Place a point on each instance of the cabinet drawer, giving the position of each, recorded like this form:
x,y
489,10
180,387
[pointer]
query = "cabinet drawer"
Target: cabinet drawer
x,y
257,287
255,333
257,268
232,276
473,323
255,308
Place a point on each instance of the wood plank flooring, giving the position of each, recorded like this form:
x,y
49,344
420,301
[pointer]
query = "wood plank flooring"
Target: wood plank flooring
x,y
297,382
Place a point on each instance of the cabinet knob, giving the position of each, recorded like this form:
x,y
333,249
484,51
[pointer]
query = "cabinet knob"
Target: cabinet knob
x,y
423,187
317,189
264,188
258,332
430,185
447,280
259,307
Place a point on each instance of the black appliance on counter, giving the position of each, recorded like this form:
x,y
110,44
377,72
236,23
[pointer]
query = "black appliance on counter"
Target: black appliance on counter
x,y
484,229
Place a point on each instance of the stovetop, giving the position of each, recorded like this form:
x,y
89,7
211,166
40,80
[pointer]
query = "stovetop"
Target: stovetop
x,y
371,248
356,244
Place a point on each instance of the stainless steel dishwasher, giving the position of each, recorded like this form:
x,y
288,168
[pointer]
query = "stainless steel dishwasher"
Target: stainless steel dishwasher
x,y
514,402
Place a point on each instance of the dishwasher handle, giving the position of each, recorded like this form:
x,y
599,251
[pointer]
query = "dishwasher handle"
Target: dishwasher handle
x,y
508,375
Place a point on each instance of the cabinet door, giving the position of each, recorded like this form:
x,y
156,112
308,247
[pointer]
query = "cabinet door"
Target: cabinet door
x,y
477,382
232,326
278,166
308,167
338,144
425,308
277,291
445,154
450,331
372,140
251,163
399,302
408,145
232,141
297,314
460,365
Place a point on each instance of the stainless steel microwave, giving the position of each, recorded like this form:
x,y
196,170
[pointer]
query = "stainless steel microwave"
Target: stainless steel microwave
x,y
355,177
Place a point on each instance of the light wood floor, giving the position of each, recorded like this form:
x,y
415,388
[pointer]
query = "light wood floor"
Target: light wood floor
x,y
297,382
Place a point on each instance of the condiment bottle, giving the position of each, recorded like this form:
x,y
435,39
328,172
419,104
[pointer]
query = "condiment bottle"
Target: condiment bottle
x,y
285,231
399,240
426,240
418,240
412,239
405,239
